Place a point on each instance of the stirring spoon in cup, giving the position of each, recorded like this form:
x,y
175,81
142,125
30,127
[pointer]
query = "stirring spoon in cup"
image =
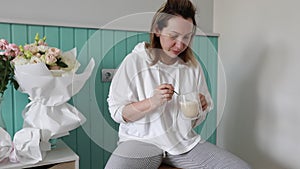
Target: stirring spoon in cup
x,y
176,92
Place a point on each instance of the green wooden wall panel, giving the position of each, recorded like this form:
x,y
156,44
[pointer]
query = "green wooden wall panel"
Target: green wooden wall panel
x,y
83,142
143,37
65,43
66,40
212,57
94,141
5,30
108,62
196,49
203,56
131,41
119,55
205,51
213,64
32,30
97,120
120,49
19,36
52,34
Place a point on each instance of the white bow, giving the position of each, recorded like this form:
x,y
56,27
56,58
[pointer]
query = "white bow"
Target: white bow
x,y
26,147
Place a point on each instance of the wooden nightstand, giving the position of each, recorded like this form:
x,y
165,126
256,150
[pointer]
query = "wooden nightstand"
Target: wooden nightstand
x,y
62,157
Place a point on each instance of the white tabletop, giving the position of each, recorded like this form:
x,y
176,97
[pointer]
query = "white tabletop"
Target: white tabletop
x,y
62,153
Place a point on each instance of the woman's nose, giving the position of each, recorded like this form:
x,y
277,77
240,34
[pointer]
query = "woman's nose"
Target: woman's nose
x,y
179,44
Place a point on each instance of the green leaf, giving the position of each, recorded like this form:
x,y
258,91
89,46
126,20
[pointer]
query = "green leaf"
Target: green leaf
x,y
61,64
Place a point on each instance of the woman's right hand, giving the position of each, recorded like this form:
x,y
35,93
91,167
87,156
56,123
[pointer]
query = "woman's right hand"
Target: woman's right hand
x,y
137,110
162,94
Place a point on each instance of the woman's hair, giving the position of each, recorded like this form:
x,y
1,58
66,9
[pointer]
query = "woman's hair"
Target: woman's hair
x,y
168,10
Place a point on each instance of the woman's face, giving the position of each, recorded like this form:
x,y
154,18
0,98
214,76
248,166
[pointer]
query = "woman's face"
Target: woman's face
x,y
176,36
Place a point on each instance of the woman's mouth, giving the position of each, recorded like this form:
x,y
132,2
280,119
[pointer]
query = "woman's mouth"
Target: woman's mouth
x,y
176,52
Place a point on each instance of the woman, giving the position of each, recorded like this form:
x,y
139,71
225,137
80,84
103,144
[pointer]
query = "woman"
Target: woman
x,y
141,98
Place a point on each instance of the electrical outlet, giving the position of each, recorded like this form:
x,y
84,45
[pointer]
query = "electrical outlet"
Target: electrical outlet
x,y
107,74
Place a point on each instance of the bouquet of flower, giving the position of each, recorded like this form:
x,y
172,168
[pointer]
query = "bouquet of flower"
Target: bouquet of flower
x,y
39,52
48,76
8,51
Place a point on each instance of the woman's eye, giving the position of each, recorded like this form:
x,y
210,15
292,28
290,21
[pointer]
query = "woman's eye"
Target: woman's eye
x,y
173,37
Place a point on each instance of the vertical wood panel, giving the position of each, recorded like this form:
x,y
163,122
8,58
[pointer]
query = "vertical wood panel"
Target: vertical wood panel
x,y
32,30
107,62
120,49
66,38
97,123
143,37
119,55
131,41
209,125
52,34
213,65
5,30
19,36
196,50
66,43
83,142
203,49
203,53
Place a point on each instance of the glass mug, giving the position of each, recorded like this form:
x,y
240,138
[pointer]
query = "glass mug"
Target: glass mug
x,y
190,105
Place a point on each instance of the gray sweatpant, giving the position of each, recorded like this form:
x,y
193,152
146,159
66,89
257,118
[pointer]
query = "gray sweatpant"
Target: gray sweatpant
x,y
139,155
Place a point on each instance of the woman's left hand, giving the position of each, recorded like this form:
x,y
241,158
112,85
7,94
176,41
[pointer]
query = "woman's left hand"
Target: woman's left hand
x,y
203,101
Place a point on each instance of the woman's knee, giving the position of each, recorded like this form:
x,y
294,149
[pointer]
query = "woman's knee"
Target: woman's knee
x,y
117,162
135,154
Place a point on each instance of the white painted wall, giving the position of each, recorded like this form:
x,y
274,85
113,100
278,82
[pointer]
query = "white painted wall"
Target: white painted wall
x,y
259,47
78,13
94,13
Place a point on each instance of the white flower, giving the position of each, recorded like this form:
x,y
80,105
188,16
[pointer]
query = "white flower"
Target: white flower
x,y
35,59
43,48
20,61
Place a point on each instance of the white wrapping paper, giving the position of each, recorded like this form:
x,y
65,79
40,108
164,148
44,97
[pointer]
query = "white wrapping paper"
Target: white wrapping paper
x,y
5,144
25,148
48,109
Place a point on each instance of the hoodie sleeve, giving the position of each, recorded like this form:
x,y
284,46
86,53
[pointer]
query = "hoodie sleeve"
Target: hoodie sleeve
x,y
121,92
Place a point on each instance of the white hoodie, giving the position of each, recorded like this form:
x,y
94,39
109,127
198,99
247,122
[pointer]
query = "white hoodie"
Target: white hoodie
x,y
164,127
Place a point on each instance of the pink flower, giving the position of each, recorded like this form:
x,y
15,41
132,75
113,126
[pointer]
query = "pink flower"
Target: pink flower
x,y
26,47
3,44
50,59
54,51
32,48
12,50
